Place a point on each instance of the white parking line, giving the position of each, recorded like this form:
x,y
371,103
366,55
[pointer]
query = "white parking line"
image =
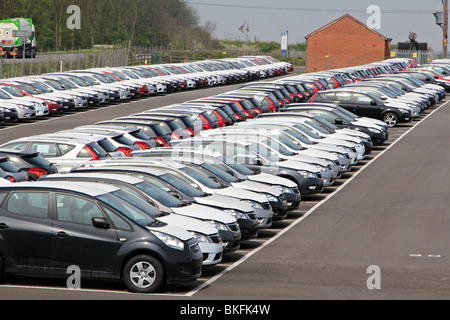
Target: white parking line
x,y
318,205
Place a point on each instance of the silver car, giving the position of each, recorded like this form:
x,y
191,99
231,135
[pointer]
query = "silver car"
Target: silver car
x,y
65,153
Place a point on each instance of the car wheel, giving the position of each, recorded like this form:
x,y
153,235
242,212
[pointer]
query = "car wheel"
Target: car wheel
x,y
143,274
391,119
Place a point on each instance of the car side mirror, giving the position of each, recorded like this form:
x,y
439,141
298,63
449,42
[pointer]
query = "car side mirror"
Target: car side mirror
x,y
338,121
101,223
175,194
373,103
257,161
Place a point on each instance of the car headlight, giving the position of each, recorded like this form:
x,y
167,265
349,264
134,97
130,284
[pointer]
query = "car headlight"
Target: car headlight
x,y
200,237
269,197
218,225
170,241
321,168
374,130
282,189
253,204
339,155
235,213
404,110
306,174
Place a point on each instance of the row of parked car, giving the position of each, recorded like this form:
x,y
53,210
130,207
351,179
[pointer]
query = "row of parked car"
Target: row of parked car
x,y
157,196
35,97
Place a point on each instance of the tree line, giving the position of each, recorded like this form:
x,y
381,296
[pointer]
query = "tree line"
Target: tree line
x,y
142,22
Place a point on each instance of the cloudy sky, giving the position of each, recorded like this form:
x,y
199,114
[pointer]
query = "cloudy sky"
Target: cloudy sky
x,y
267,18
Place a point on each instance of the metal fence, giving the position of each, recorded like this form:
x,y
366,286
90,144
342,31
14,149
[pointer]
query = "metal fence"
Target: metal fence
x,y
47,62
421,56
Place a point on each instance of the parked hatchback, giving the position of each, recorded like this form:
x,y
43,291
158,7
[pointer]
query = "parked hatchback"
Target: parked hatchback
x,y
32,162
65,153
89,226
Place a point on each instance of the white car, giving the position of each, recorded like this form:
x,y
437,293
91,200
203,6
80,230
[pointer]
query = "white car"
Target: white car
x,y
65,153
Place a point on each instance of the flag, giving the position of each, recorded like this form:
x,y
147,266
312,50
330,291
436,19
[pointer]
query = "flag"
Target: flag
x,y
242,28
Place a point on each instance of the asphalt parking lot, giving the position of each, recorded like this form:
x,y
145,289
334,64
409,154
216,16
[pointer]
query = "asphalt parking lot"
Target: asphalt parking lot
x,y
389,212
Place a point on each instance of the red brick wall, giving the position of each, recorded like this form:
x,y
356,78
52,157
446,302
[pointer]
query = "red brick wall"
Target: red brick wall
x,y
346,43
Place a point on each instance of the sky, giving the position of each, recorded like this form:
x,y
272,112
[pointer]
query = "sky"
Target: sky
x,y
268,18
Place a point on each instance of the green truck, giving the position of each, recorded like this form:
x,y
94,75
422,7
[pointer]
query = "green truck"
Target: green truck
x,y
18,37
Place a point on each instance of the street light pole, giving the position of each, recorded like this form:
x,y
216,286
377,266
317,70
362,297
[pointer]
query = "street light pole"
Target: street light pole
x,y
445,28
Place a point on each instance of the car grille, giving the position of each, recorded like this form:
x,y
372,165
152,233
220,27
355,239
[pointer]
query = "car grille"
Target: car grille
x,y
215,239
233,227
266,206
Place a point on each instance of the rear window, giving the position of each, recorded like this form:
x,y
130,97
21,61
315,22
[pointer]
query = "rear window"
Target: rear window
x,y
107,145
8,166
99,151
36,160
124,140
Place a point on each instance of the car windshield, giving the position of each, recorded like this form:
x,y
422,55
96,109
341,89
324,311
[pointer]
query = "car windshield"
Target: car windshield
x,y
159,194
12,92
285,139
201,177
271,143
42,87
116,200
181,185
220,173
54,84
298,133
265,152
29,89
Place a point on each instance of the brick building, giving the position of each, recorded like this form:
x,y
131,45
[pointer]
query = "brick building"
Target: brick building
x,y
345,42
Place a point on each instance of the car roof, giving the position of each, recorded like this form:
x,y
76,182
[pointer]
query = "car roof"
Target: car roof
x,y
17,152
117,167
89,188
94,175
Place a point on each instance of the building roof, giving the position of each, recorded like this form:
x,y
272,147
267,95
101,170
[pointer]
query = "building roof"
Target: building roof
x,y
342,18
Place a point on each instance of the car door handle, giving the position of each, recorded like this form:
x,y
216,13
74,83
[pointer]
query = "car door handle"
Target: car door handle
x,y
62,234
3,226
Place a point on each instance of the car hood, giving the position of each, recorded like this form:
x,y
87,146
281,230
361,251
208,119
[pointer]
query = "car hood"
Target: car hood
x,y
225,202
256,187
188,223
296,165
173,230
204,212
241,194
272,179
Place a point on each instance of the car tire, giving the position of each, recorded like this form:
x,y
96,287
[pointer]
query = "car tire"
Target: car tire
x,y
143,274
391,119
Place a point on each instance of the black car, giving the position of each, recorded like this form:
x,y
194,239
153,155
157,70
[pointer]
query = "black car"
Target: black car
x,y
32,162
182,119
14,172
340,118
47,228
177,128
153,129
365,105
8,115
